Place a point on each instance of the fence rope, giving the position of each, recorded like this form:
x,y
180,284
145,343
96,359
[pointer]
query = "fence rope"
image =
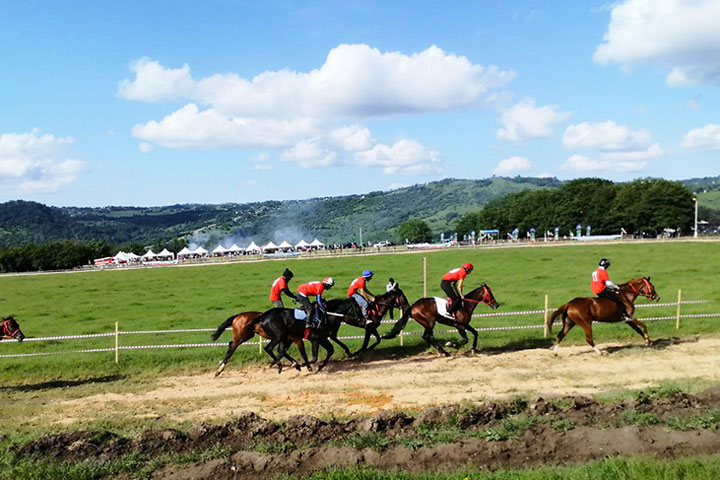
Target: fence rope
x,y
348,337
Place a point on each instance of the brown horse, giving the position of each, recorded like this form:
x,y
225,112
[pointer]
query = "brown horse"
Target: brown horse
x,y
9,329
245,325
424,311
583,311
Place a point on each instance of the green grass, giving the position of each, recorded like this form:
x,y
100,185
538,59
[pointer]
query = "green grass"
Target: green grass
x,y
202,297
705,468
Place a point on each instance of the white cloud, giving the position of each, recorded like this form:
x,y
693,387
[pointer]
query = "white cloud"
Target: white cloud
x,y
512,165
525,121
260,157
405,157
351,138
263,167
34,163
605,136
705,139
682,36
653,151
581,163
309,154
145,147
355,80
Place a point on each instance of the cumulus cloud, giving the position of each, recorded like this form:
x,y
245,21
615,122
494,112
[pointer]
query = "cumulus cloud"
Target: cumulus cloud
x,y
582,163
405,157
263,167
312,116
30,162
525,121
605,136
145,147
705,139
512,165
675,35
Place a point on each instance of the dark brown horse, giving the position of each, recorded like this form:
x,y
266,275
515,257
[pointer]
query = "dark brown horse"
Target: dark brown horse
x,y
583,311
352,315
245,326
424,311
9,329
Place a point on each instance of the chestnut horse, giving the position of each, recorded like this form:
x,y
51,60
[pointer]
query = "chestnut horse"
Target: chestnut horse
x,y
10,329
583,311
424,311
245,325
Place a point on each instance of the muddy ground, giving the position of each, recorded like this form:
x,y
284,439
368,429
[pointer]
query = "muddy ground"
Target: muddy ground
x,y
491,435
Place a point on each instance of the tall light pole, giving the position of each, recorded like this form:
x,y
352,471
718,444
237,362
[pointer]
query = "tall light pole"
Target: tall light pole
x,y
696,206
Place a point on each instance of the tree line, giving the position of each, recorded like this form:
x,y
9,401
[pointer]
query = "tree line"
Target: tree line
x,y
644,206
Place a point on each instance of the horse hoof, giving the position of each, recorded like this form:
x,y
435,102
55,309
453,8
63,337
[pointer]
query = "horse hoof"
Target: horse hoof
x,y
449,344
474,352
297,367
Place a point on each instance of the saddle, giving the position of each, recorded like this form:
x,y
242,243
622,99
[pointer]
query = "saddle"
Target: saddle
x,y
442,305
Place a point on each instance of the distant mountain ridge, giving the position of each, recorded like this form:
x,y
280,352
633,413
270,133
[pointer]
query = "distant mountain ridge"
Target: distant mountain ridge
x,y
331,219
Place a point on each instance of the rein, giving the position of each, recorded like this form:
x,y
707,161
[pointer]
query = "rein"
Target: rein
x,y
647,285
484,300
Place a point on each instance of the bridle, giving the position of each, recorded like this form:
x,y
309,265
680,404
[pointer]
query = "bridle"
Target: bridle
x,y
486,299
6,329
649,295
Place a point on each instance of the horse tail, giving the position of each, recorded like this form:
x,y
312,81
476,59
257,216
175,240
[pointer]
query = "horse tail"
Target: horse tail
x,y
551,319
399,325
222,328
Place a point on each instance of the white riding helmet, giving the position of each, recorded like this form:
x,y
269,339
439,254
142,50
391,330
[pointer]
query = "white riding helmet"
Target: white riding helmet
x,y
329,281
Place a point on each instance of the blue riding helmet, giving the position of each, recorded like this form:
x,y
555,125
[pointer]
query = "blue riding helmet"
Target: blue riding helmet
x,y
367,274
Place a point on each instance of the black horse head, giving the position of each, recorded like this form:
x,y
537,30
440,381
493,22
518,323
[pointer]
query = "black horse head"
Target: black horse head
x,y
10,329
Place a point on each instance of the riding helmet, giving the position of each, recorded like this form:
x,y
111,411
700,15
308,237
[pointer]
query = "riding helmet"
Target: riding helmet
x,y
329,281
288,274
367,274
468,266
604,262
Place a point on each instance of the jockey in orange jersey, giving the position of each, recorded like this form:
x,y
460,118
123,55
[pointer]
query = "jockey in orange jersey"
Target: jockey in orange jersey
x,y
452,283
280,285
359,291
604,288
313,288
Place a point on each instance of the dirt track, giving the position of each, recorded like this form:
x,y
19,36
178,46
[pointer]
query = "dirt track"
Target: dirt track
x,y
353,387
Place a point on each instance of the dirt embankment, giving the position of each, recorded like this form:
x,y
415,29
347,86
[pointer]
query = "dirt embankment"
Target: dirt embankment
x,y
451,437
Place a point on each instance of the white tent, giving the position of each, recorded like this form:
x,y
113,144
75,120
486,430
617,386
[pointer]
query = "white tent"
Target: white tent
x,y
149,254
234,249
253,248
166,253
269,247
122,257
199,251
285,246
302,244
219,250
185,251
317,243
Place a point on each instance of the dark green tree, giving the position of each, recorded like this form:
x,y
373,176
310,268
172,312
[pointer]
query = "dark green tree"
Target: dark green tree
x,y
414,231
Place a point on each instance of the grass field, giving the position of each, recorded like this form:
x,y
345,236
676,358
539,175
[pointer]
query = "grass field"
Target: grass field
x,y
203,296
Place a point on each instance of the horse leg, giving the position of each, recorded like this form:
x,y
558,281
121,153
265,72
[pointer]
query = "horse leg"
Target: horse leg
x,y
637,325
238,339
334,338
314,347
282,353
475,338
293,362
587,326
269,349
330,350
373,331
461,331
301,348
366,340
428,337
567,326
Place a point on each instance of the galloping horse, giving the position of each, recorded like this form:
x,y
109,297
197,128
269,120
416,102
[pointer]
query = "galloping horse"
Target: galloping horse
x,y
424,311
583,311
245,325
10,329
352,315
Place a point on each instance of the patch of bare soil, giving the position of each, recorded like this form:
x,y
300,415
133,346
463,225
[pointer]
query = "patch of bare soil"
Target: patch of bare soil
x,y
450,437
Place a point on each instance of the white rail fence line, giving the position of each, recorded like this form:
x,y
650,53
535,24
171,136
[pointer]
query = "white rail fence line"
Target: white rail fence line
x,y
259,343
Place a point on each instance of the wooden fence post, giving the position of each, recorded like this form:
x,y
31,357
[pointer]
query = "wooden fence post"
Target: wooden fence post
x,y
424,277
546,317
677,319
117,342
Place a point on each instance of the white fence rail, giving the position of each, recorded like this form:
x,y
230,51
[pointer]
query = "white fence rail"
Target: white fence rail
x,y
117,333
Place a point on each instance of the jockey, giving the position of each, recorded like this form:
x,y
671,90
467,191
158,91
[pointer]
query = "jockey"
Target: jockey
x,y
280,285
604,288
313,288
359,291
452,283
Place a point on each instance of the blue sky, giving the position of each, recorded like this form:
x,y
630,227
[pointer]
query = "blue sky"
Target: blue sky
x,y
157,103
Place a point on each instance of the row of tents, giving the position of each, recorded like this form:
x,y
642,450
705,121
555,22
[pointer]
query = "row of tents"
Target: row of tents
x,y
253,248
